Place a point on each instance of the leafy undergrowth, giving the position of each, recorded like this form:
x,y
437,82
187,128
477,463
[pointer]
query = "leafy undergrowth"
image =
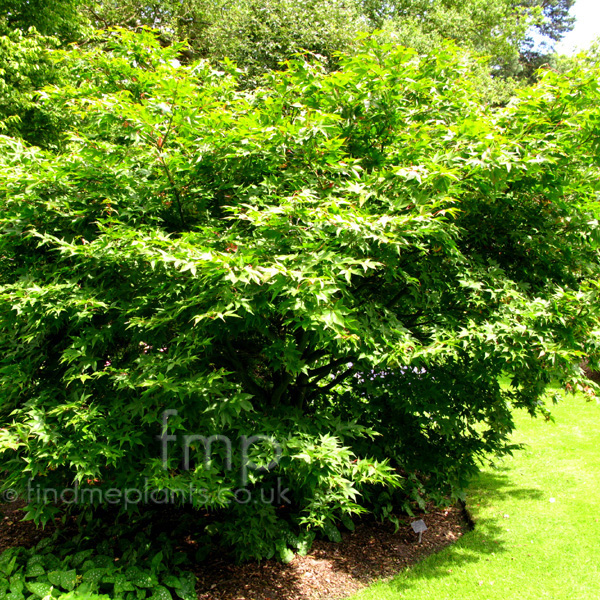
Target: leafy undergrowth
x,y
115,566
537,518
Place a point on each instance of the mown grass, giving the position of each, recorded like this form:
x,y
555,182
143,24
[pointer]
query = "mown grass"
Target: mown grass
x,y
537,518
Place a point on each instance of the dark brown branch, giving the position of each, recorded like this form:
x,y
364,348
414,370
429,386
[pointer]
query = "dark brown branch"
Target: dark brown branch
x,y
299,390
242,372
315,355
323,371
326,388
174,189
97,16
302,338
281,388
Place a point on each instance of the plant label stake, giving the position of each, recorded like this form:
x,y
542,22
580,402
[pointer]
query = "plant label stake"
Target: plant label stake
x,y
419,527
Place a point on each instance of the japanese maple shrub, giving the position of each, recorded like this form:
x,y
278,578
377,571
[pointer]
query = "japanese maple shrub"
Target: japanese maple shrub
x,y
318,282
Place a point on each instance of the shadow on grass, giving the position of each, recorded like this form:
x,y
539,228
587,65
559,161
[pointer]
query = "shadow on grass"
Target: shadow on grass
x,y
497,485
473,547
481,543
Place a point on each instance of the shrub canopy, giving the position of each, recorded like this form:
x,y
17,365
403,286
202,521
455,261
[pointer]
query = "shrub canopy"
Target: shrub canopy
x,y
342,264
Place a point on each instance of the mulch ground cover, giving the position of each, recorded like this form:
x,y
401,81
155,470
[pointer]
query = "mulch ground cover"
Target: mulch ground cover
x,y
329,572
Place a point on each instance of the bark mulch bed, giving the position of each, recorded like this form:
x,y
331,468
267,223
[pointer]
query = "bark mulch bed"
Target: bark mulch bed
x,y
16,532
329,572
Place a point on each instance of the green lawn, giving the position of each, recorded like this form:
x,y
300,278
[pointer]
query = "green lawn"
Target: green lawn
x,y
537,518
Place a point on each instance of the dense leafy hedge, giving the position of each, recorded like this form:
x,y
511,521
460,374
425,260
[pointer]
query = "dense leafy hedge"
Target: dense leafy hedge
x,y
341,264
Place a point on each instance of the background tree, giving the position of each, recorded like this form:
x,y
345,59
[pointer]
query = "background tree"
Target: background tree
x,y
516,35
26,66
259,35
256,35
30,33
63,19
